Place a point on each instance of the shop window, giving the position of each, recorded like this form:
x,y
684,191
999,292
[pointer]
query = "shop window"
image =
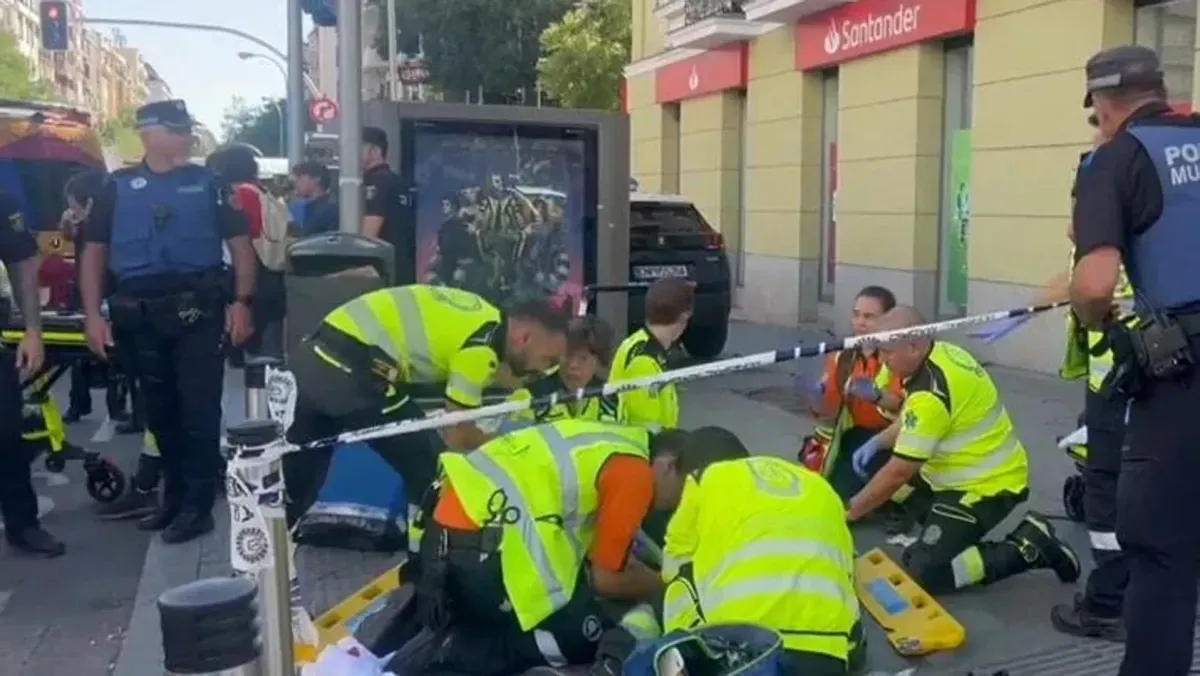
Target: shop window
x,y
955,218
1169,28
829,183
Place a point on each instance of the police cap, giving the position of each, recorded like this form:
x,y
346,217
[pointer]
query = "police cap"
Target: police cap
x,y
1121,67
172,114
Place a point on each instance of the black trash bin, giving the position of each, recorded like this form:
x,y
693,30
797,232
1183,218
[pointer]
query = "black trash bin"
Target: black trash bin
x,y
327,270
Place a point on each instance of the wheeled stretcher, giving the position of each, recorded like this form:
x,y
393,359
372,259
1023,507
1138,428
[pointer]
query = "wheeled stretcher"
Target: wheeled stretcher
x,y
1075,446
43,432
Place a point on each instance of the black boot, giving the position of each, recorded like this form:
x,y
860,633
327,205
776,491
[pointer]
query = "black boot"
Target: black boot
x,y
159,520
1075,619
131,426
36,542
188,525
1034,537
75,414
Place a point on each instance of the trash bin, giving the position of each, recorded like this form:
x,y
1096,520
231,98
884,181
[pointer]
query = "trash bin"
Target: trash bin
x,y
327,270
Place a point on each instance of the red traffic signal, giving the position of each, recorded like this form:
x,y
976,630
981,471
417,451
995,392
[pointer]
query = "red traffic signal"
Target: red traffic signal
x,y
56,36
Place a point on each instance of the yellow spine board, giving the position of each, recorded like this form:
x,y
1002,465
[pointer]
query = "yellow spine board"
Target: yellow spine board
x,y
915,624
332,625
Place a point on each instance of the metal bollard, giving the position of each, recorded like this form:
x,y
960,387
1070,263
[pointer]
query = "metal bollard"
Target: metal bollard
x,y
274,581
210,627
255,374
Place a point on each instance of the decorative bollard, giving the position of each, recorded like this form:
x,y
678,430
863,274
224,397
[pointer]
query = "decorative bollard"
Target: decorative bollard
x,y
211,627
260,546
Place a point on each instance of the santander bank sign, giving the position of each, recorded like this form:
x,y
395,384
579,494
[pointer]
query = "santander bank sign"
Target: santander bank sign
x,y
871,26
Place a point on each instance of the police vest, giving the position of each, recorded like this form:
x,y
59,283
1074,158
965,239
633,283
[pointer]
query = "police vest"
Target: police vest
x,y
1163,261
539,485
164,223
771,547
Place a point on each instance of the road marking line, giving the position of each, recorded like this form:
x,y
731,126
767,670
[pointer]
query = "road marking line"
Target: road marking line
x,y
104,433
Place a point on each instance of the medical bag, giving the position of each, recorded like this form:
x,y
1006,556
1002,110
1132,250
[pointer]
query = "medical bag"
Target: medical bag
x,y
713,650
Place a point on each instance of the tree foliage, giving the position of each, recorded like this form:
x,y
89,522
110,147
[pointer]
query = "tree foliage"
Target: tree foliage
x,y
15,81
476,46
260,125
584,54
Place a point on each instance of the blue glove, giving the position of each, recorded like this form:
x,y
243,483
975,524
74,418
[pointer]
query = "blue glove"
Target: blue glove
x,y
992,333
863,455
863,388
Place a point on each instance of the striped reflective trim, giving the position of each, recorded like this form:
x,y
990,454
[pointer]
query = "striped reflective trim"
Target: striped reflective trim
x,y
713,595
461,384
968,568
1104,541
417,356
679,598
672,564
994,460
547,645
562,451
957,441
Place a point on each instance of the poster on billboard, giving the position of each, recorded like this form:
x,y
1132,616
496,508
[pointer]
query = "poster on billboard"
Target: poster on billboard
x,y
503,210
955,237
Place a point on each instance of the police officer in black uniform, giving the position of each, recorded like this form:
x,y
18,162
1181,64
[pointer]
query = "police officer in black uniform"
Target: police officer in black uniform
x,y
18,502
385,200
158,227
1139,202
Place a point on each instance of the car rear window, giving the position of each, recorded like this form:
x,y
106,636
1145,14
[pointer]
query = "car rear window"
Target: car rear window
x,y
667,218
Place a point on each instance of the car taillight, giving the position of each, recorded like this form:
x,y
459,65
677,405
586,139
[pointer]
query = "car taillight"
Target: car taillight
x,y
715,241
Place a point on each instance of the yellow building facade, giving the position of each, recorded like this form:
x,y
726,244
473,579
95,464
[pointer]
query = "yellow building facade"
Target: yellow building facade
x,y
928,146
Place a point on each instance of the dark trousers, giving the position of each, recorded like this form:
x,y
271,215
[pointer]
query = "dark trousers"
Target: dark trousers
x,y
481,615
331,401
181,369
1105,589
951,553
80,397
18,502
842,476
1158,509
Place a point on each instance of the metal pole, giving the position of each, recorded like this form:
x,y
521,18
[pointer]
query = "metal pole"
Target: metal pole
x,y
350,106
295,83
274,583
309,85
190,26
393,72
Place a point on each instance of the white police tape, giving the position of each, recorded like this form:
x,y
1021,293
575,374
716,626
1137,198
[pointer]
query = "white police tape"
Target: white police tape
x,y
759,360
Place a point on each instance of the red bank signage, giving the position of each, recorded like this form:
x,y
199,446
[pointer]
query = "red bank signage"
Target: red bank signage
x,y
872,26
716,70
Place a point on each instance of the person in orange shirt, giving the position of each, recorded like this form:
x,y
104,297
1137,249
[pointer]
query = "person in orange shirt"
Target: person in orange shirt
x,y
854,398
529,531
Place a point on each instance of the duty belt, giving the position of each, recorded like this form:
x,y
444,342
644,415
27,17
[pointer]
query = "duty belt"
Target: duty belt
x,y
486,540
365,361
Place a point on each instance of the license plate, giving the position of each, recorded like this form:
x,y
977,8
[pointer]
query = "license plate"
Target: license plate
x,y
646,272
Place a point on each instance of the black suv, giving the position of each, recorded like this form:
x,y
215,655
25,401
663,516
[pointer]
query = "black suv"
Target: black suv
x,y
668,237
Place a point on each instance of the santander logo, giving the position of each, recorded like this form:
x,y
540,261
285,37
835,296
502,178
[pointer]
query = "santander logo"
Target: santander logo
x,y
872,29
833,39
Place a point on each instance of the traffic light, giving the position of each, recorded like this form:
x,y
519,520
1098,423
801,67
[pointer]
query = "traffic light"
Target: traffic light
x,y
55,36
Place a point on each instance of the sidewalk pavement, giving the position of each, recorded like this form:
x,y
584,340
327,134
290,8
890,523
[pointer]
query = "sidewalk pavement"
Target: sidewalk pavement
x,y
1006,621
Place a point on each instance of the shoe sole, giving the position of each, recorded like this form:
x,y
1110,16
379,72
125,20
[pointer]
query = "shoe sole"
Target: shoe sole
x,y
1063,550
127,515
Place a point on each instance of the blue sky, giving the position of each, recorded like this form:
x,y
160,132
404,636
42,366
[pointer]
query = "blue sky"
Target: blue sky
x,y
203,67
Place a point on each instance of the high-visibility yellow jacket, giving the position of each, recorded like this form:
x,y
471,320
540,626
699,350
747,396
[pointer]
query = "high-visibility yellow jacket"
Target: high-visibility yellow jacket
x,y
539,485
763,541
1081,358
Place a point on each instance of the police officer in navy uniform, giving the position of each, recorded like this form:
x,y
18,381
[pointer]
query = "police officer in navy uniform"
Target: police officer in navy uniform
x,y
1139,203
158,227
18,502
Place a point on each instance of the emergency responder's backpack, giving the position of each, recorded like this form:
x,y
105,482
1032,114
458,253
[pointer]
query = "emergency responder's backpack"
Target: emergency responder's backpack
x,y
271,244
712,650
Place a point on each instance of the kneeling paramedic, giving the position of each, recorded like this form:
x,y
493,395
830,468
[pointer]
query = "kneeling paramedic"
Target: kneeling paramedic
x,y
956,443
528,533
761,540
159,228
589,351
357,371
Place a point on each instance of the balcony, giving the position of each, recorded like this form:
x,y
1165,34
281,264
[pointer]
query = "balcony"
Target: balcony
x,y
705,24
788,11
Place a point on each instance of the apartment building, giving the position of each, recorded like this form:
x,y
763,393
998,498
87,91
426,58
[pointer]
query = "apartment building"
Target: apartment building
x,y
926,145
321,62
98,72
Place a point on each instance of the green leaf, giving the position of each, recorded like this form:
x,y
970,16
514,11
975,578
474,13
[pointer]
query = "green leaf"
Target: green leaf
x,y
584,55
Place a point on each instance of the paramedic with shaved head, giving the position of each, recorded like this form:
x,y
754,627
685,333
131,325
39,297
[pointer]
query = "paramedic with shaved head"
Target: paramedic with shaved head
x,y
955,444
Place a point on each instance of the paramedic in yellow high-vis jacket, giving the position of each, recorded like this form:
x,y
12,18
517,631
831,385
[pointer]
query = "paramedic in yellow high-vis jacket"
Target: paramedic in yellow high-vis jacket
x,y
589,352
762,540
644,353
